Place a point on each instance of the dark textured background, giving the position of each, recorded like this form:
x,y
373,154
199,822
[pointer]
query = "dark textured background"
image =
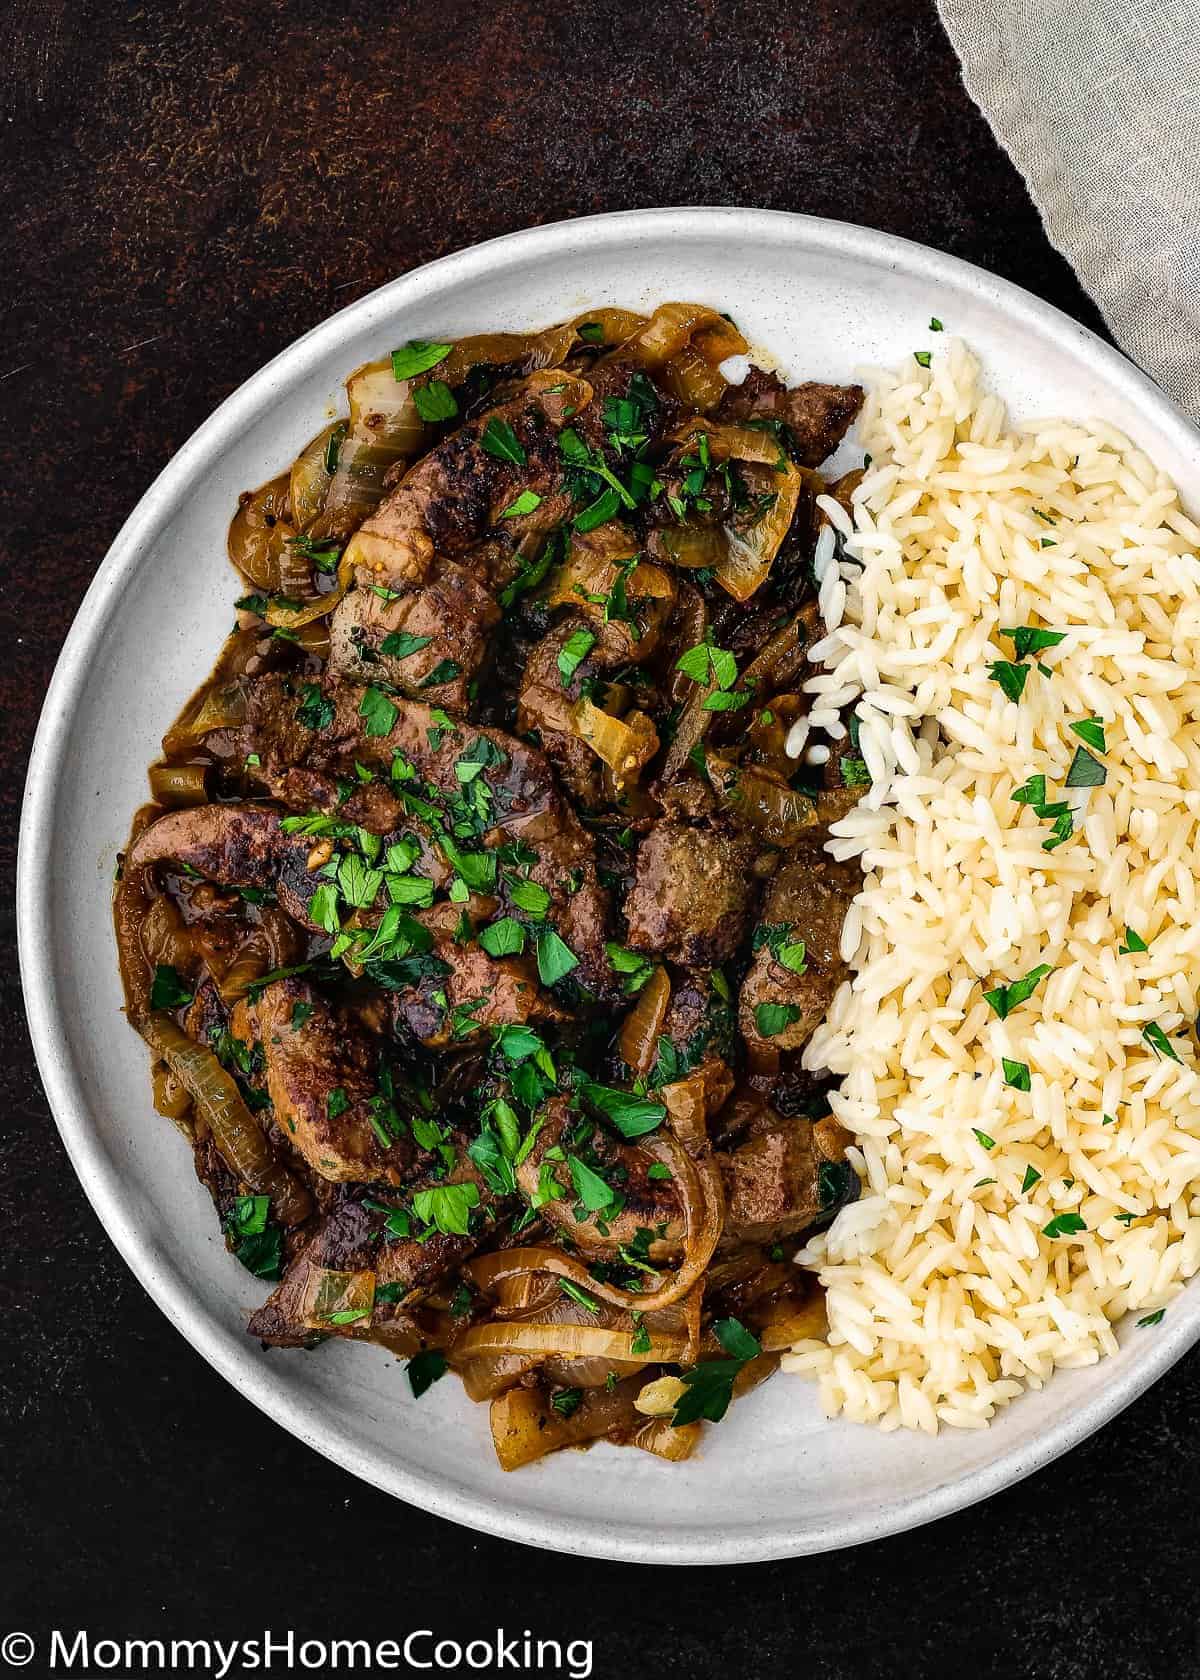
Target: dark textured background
x,y
187,188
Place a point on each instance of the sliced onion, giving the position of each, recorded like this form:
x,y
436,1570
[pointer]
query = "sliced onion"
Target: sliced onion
x,y
258,531
690,546
329,1293
698,1187
660,1437
625,744
751,550
574,1341
638,1042
694,379
311,477
179,784
757,801
673,325
240,1141
222,707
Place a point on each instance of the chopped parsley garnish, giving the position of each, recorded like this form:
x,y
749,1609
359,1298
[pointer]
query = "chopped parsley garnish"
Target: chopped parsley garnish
x,y
448,1207
526,502
1027,639
505,938
566,1401
579,1296
530,897
982,1137
1133,942
710,1384
443,672
1085,770
633,968
301,1012
434,401
935,325
1090,731
424,1369
499,439
1158,1041
773,1018
605,507
706,664
168,989
788,952
1012,678
337,1102
418,356
855,772
1004,999
378,712
1064,1225
555,959
922,358
590,1188
1032,1177
1016,1074
627,1113
317,709
572,654
400,644
1151,1318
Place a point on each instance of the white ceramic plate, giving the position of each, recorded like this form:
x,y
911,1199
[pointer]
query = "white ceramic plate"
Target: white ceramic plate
x,y
776,1478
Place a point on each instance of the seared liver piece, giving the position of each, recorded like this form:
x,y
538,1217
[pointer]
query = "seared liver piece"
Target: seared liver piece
x,y
693,895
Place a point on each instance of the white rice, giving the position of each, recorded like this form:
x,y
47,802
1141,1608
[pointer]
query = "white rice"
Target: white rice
x,y
945,1296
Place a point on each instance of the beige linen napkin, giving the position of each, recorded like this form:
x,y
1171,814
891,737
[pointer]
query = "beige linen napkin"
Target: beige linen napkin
x,y
1098,104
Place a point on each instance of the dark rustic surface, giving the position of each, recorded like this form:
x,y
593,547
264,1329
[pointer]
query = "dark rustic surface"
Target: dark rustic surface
x,y
187,187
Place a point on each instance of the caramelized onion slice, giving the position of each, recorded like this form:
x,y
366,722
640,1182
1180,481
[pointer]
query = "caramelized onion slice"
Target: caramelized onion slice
x,y
638,1042
759,802
752,548
215,1095
624,744
698,1186
336,1300
572,1341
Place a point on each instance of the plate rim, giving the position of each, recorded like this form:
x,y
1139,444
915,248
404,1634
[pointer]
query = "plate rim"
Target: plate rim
x,y
63,1085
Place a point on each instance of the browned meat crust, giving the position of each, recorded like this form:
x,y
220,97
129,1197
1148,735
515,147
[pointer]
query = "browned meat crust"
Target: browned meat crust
x,y
807,900
817,416
693,895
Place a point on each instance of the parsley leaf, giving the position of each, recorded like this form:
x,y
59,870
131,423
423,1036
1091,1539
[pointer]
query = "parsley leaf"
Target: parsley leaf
x,y
169,990
434,401
555,959
773,1018
505,938
501,441
378,711
424,1369
418,356
526,502
448,1207
317,709
400,644
710,1384
1064,1225
573,652
629,1114
591,1189
1085,771
1004,999
1016,1074
1012,678
1158,1041
1027,639
1091,731
1133,942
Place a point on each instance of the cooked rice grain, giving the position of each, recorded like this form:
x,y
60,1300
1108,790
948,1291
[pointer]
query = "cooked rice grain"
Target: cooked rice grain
x,y
945,1297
